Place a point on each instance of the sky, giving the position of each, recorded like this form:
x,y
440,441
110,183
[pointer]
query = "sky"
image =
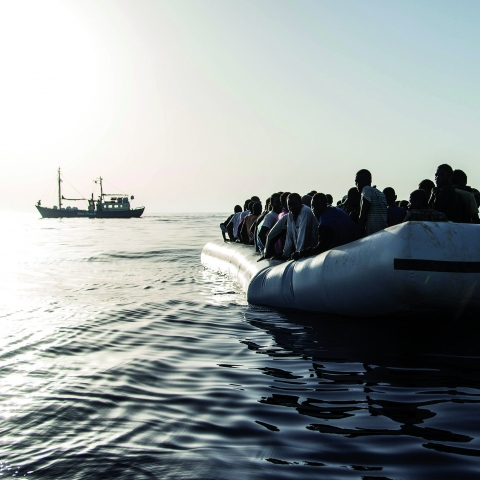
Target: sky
x,y
197,105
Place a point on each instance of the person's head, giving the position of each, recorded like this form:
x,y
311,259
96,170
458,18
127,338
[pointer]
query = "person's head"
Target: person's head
x,y
257,208
312,193
459,178
255,199
267,204
353,197
307,200
283,199
403,204
245,205
276,203
390,196
426,185
319,204
418,200
362,179
329,198
237,209
250,205
443,175
294,203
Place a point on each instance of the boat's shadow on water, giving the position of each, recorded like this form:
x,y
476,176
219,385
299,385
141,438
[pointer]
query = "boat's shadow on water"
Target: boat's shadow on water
x,y
409,370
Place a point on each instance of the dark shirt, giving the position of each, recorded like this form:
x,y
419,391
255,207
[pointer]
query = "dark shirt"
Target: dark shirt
x,y
335,228
425,215
352,212
446,200
395,215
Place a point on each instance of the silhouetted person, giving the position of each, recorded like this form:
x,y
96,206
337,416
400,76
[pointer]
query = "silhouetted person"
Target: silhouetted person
x,y
257,222
227,225
335,227
403,204
246,224
302,227
420,211
395,215
269,221
373,205
444,197
351,205
329,199
307,200
280,243
427,185
459,180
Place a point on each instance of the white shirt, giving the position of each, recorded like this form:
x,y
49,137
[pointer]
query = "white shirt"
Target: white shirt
x,y
302,232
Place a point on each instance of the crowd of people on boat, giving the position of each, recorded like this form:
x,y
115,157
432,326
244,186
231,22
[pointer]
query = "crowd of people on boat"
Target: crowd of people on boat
x,y
291,226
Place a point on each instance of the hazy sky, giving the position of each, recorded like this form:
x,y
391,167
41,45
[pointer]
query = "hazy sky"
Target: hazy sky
x,y
200,104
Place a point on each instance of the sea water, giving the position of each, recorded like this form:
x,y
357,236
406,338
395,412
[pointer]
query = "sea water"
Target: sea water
x,y
121,357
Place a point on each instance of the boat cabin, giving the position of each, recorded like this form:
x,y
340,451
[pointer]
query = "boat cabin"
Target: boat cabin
x,y
118,203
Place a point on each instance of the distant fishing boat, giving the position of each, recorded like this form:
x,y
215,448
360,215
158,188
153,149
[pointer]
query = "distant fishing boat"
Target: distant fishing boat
x,y
117,206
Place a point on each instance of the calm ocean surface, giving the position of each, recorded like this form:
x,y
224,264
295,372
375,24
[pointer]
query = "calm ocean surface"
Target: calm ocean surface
x,y
121,357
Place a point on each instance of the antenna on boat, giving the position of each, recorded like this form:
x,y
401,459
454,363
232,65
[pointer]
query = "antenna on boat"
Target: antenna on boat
x,y
59,190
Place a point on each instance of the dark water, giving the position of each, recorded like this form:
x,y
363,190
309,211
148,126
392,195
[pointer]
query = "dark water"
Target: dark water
x,y
122,358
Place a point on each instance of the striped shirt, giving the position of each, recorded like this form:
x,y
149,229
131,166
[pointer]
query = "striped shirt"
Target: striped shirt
x,y
377,215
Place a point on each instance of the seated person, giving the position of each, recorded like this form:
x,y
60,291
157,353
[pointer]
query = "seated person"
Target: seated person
x,y
269,221
237,218
302,227
459,180
419,210
244,230
276,233
307,200
254,227
445,199
335,227
227,225
351,205
426,185
373,205
395,215
280,243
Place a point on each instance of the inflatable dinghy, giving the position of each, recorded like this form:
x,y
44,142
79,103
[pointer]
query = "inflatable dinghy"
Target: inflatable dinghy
x,y
414,266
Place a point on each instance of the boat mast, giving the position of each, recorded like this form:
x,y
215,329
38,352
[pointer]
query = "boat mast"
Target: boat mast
x,y
59,190
101,190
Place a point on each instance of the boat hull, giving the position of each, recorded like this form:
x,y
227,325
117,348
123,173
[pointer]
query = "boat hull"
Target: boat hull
x,y
414,266
64,213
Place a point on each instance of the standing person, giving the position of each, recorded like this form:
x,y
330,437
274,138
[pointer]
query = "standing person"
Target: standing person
x,y
373,205
444,197
395,215
302,227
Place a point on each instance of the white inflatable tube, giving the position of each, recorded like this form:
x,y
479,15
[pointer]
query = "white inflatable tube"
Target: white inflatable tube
x,y
409,267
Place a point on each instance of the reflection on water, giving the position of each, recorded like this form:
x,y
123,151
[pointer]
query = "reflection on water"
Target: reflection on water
x,y
122,358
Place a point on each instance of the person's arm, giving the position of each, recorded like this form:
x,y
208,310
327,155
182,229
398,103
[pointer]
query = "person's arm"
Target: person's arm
x,y
325,237
263,235
289,247
362,219
302,230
